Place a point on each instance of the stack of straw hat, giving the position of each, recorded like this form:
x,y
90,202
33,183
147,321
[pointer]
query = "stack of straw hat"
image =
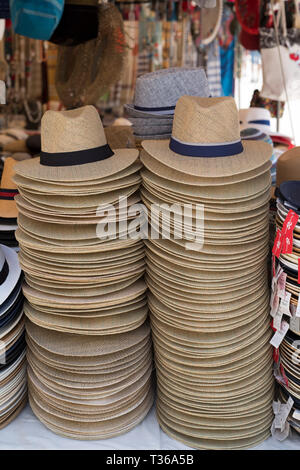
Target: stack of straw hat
x,y
286,286
13,380
82,286
8,207
84,387
156,95
288,198
209,304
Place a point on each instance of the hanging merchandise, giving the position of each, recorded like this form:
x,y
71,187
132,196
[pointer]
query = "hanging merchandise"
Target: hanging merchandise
x,y
248,14
208,297
280,53
4,9
36,19
206,23
85,72
79,23
226,39
213,68
276,108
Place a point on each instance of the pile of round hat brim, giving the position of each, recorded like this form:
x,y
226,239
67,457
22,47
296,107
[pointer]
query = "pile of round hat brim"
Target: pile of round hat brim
x,y
88,387
76,280
13,381
147,125
289,360
289,261
210,306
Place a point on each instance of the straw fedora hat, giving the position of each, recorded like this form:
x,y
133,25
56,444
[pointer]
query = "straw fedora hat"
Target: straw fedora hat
x,y
86,71
8,207
74,148
206,142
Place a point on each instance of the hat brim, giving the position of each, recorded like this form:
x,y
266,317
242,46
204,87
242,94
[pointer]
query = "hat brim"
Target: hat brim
x,y
120,160
265,129
254,155
14,273
8,209
143,114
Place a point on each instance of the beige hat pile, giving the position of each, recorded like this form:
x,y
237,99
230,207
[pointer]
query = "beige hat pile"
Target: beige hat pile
x,y
210,304
78,284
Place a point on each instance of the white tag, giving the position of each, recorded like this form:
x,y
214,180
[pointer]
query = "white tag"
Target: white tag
x,y
279,335
281,284
276,406
282,415
278,273
293,310
296,414
277,319
274,303
284,306
295,324
2,92
278,434
298,308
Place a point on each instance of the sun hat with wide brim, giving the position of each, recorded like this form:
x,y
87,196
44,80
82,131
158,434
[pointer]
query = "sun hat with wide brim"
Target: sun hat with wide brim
x,y
74,148
206,142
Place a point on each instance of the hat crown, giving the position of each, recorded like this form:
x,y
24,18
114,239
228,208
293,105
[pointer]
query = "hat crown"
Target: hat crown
x,y
206,120
250,114
163,88
72,131
8,174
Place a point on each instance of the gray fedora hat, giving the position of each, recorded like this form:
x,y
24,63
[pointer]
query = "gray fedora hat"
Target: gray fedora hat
x,y
157,93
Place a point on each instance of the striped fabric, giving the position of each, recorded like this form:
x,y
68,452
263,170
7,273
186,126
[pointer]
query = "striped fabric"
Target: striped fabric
x,y
213,68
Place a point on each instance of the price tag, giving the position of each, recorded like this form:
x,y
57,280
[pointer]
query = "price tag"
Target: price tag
x,y
277,244
297,313
281,285
287,231
284,306
279,335
282,415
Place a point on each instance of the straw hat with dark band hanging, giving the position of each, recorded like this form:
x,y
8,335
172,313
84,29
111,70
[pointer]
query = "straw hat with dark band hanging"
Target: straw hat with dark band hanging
x,y
209,302
86,71
90,359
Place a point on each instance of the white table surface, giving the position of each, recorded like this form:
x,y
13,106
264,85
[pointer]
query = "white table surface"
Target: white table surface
x,y
26,432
